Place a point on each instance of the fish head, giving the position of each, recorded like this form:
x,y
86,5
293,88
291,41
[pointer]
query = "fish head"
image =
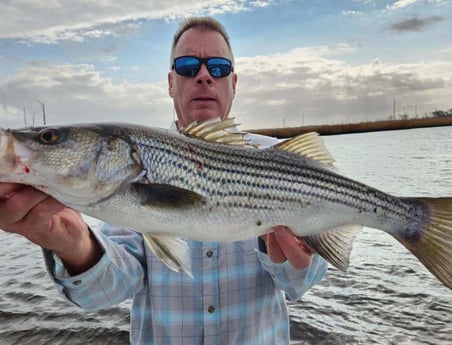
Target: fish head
x,y
78,165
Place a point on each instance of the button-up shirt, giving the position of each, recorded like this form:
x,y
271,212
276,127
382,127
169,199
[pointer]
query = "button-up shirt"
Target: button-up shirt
x,y
236,295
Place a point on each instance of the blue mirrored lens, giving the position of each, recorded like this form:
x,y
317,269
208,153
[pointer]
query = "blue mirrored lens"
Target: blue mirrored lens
x,y
187,66
218,67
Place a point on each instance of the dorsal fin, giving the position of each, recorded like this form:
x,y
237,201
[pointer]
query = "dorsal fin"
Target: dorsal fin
x,y
309,145
217,131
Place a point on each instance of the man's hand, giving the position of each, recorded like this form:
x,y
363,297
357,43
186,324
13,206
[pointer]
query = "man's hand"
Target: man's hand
x,y
48,223
282,245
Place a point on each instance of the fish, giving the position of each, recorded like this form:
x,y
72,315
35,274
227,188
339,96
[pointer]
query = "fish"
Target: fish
x,y
211,184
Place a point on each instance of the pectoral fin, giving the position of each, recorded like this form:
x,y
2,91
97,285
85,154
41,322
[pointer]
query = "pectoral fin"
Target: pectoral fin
x,y
335,245
174,252
166,196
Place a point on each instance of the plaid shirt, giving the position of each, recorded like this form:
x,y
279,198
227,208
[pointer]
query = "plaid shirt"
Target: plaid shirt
x,y
236,296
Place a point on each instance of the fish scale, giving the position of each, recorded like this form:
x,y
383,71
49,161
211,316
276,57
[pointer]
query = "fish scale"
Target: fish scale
x,y
251,166
167,185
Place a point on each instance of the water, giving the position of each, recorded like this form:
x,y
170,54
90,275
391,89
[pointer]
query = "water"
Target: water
x,y
386,297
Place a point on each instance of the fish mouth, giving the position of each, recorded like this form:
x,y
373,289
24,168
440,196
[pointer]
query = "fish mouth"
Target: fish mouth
x,y
13,154
7,150
3,138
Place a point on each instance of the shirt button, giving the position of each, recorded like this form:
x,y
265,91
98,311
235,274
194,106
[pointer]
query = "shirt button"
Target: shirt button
x,y
211,309
209,253
76,282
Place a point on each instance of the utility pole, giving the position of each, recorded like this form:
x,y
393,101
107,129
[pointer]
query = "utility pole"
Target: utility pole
x,y
393,109
43,112
25,118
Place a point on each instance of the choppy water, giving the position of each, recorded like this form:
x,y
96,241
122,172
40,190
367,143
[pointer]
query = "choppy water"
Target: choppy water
x,y
386,297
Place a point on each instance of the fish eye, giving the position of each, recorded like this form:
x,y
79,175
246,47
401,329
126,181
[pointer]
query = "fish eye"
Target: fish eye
x,y
49,136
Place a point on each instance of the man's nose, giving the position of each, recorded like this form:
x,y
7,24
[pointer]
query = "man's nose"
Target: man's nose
x,y
203,75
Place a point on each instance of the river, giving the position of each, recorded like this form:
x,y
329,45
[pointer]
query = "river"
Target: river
x,y
386,297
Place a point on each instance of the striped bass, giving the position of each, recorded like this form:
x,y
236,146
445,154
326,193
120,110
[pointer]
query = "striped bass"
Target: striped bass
x,y
210,185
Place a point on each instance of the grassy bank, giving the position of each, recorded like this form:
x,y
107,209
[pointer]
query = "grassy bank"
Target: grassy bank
x,y
356,127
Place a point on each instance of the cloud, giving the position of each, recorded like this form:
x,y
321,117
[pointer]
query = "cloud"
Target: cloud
x,y
50,22
79,93
400,4
301,86
351,13
415,24
446,51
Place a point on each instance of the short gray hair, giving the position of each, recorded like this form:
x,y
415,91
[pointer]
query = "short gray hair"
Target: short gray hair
x,y
203,24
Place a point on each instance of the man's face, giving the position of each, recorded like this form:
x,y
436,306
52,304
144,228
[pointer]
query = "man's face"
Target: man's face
x,y
201,97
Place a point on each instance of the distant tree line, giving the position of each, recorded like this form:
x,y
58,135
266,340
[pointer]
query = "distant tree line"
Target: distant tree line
x,y
442,113
437,113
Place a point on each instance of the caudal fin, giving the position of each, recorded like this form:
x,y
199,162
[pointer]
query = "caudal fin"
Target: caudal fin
x,y
434,247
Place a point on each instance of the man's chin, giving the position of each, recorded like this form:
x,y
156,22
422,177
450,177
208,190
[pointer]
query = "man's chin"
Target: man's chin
x,y
201,117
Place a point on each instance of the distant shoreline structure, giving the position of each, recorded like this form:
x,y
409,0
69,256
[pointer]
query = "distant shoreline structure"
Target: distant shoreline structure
x,y
360,127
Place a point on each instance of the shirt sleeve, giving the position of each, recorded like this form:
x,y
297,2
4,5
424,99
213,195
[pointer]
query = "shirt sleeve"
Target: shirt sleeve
x,y
293,281
118,275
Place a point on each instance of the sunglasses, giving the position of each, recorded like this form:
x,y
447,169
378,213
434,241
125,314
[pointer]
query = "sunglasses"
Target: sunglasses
x,y
189,66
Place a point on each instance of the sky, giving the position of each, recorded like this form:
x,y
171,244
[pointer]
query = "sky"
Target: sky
x,y
298,62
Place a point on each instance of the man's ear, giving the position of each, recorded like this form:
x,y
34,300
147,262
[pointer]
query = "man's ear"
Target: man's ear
x,y
170,84
234,82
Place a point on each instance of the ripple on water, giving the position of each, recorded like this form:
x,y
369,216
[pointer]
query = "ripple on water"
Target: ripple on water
x,y
70,335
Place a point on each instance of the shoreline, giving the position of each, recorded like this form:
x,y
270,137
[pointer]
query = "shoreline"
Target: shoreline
x,y
360,127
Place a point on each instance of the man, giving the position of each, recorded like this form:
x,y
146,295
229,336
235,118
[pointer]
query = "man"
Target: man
x,y
235,296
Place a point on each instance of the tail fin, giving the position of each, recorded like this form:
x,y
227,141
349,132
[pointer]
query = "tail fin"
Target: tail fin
x,y
434,248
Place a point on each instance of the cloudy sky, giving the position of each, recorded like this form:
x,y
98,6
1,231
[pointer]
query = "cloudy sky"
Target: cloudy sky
x,y
299,62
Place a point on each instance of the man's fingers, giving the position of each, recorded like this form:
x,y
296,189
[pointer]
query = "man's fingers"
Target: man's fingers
x,y
39,216
293,248
27,208
7,189
274,251
18,203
